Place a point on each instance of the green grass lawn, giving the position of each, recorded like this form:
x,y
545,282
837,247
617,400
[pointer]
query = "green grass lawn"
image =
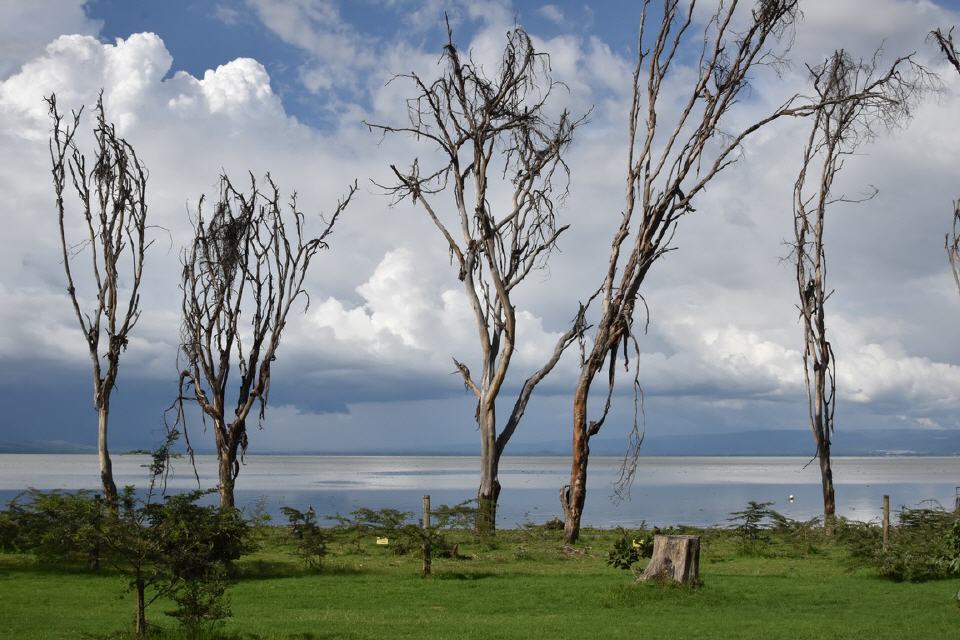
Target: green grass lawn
x,y
523,585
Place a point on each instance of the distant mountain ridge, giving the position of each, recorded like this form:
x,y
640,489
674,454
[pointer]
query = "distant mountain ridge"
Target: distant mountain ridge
x,y
743,443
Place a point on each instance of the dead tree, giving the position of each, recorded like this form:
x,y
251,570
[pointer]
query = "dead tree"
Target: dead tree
x,y
856,99
478,126
944,40
111,192
242,274
674,151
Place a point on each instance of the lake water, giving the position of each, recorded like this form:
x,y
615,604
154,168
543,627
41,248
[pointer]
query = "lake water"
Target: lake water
x,y
667,490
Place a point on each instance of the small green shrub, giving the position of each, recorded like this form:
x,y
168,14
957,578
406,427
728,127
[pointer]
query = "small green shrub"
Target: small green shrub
x,y
623,555
311,540
752,525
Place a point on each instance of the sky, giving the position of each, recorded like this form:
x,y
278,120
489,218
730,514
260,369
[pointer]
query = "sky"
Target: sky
x,y
284,86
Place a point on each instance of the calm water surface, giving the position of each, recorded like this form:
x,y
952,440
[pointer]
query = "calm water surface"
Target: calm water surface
x,y
667,490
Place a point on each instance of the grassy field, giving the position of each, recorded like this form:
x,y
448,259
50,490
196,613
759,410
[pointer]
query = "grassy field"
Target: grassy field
x,y
522,585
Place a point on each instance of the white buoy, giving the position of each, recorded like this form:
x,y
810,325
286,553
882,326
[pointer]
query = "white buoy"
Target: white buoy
x,y
790,498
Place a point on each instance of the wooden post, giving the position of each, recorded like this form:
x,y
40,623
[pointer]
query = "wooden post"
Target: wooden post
x,y
886,521
427,560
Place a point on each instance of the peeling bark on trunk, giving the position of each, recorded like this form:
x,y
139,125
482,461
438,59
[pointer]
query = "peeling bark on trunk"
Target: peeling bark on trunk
x,y
573,496
489,490
103,453
227,481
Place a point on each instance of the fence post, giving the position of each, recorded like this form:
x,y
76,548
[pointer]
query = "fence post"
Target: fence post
x,y
886,522
427,560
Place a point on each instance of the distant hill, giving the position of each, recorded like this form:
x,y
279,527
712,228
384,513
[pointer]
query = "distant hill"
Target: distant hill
x,y
45,446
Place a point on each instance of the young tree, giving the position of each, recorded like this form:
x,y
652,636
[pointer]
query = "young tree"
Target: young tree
x,y
855,100
241,275
112,194
473,124
175,549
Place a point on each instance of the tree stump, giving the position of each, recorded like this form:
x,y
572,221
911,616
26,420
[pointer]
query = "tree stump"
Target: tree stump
x,y
675,559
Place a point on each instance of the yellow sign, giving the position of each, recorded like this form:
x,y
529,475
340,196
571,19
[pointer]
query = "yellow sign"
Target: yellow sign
x,y
383,541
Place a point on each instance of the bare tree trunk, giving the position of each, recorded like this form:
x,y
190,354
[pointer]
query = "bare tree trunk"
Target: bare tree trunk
x,y
227,481
141,628
106,466
573,496
826,478
489,491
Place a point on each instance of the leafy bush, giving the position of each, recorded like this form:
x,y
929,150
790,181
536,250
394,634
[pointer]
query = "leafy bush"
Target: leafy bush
x,y
864,540
623,555
924,546
56,526
630,547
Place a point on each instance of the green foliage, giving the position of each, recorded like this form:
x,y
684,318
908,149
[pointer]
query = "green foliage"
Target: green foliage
x,y
924,546
56,526
201,604
174,548
404,535
953,548
363,524
623,555
178,549
459,516
752,524
311,540
630,546
803,536
864,540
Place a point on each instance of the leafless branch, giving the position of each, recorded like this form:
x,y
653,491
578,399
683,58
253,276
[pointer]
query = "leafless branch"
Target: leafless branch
x,y
242,274
471,122
112,197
